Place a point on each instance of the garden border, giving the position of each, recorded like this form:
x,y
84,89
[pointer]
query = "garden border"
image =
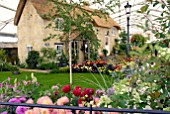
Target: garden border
x,y
90,109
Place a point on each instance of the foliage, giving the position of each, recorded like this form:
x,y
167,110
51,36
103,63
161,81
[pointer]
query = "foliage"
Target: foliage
x,y
63,60
120,42
163,19
9,67
2,55
19,89
60,70
138,40
2,59
49,55
32,59
47,66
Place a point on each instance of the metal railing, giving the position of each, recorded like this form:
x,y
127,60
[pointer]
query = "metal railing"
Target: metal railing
x,y
90,109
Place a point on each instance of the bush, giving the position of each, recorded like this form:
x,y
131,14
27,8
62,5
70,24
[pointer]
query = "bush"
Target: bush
x,y
8,67
47,66
22,65
61,70
33,58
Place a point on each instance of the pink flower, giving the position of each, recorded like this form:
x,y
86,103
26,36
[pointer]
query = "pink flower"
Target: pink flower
x,y
9,78
4,113
29,112
36,110
44,100
66,89
30,101
15,100
21,110
22,99
37,84
44,111
63,100
25,82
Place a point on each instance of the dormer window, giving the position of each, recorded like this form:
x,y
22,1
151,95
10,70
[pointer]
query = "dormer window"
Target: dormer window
x,y
114,30
58,23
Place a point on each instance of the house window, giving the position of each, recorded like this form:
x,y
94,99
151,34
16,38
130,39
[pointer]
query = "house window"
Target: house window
x,y
29,48
59,48
58,23
46,44
107,40
107,33
114,31
75,48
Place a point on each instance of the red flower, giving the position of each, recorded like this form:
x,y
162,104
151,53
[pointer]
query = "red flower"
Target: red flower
x,y
89,91
80,100
66,89
56,93
77,91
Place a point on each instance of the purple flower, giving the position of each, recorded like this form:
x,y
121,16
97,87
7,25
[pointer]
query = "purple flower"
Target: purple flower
x,y
110,91
99,92
4,113
15,100
129,76
21,110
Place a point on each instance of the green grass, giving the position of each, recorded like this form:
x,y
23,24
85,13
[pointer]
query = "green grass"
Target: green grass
x,y
47,80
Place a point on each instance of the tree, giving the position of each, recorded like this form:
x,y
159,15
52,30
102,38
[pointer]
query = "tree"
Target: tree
x,y
77,20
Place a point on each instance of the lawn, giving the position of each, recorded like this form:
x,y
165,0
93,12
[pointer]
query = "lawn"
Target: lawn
x,y
47,80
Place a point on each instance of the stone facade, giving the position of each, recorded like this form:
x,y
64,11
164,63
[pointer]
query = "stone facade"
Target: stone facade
x,y
32,30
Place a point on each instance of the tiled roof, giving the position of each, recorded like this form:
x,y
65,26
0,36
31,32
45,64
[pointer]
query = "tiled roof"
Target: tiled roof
x,y
44,6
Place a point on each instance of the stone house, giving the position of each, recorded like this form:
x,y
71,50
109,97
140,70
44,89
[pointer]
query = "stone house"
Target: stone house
x,y
31,26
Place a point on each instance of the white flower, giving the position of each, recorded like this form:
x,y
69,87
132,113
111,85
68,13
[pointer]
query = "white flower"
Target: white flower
x,y
105,100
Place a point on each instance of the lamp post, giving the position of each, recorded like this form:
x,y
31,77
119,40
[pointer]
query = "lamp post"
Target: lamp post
x,y
127,9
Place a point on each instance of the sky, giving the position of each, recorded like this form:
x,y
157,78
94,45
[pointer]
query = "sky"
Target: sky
x,y
6,14
119,16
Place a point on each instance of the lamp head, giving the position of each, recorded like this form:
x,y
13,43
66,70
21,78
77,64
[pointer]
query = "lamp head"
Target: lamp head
x,y
128,8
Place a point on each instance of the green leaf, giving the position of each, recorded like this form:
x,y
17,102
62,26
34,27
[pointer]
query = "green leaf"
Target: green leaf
x,y
156,3
144,8
163,6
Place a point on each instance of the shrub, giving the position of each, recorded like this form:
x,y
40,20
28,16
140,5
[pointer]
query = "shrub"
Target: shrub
x,y
46,66
138,40
61,70
33,58
8,67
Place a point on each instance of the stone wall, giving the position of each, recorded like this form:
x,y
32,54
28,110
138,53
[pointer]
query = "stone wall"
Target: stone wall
x,y
31,32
